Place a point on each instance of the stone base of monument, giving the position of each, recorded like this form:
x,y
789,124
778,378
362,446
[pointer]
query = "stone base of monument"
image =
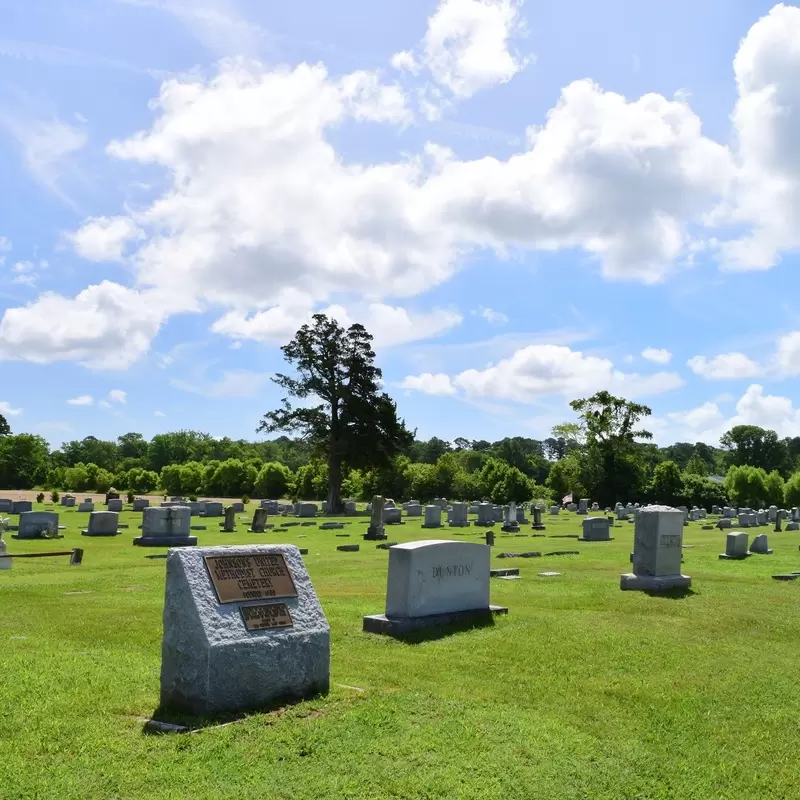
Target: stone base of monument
x,y
165,541
789,576
762,552
582,539
538,527
54,536
502,573
458,524
94,533
741,557
478,524
650,583
399,626
375,536
510,529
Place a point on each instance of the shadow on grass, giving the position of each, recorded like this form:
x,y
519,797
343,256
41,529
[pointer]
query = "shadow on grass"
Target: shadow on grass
x,y
673,594
564,536
432,634
166,719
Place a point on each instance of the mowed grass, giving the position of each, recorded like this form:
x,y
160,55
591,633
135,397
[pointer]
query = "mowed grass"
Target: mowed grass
x,y
582,691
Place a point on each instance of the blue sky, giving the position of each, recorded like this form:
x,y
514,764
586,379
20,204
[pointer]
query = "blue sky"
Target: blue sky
x,y
523,202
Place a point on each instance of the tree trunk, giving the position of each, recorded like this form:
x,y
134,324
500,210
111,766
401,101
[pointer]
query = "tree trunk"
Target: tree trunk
x,y
334,483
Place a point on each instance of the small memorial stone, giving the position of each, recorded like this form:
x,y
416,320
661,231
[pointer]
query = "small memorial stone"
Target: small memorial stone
x,y
20,506
139,504
349,548
115,504
537,519
102,523
457,516
485,514
510,524
735,546
229,526
596,529
38,525
213,509
392,516
259,520
243,628
583,506
760,546
86,506
433,516
166,527
350,509
376,531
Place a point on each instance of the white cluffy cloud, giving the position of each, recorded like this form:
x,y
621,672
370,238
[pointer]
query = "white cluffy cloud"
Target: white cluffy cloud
x,y
118,396
766,192
725,366
466,45
81,400
106,326
656,355
491,316
104,238
544,370
389,325
7,411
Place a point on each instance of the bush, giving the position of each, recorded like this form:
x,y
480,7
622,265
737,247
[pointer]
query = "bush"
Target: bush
x,y
245,499
40,497
54,496
192,498
130,495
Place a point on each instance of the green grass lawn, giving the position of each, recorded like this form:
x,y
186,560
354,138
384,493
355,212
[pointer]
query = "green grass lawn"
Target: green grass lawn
x,y
582,691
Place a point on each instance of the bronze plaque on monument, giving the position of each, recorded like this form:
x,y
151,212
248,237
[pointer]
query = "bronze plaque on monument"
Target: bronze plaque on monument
x,y
267,615
255,577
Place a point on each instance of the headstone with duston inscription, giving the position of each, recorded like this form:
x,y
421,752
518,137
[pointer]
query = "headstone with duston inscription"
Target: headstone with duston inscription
x,y
434,582
243,629
166,527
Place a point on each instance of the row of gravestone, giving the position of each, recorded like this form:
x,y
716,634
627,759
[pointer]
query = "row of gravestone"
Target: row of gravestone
x,y
243,626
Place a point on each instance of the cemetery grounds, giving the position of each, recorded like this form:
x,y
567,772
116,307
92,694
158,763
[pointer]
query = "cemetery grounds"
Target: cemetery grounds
x,y
582,691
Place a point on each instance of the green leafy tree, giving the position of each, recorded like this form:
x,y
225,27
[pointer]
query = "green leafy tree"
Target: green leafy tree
x,y
754,446
349,421
696,466
746,485
178,447
273,481
612,468
5,428
23,461
466,486
774,486
91,450
422,481
700,491
565,478
791,490
666,485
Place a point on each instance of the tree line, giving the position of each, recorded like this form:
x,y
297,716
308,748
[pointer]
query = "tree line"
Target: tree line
x,y
348,442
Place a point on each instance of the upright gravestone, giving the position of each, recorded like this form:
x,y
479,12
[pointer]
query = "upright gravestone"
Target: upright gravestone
x,y
114,504
259,520
68,501
229,525
414,510
735,546
583,506
537,525
433,516
5,560
376,531
555,510
349,508
38,525
510,524
271,506
432,583
238,507
213,509
6,505
19,506
485,514
102,523
166,527
140,503
760,545
778,520
86,505
657,549
457,516
243,629
596,529
392,516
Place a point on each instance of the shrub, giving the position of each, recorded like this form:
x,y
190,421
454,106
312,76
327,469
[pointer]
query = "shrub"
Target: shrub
x,y
54,496
130,495
192,498
245,499
40,497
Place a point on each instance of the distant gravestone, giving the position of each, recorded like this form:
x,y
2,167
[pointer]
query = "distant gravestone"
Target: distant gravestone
x,y
213,509
6,504
349,508
306,510
238,507
102,523
485,514
115,504
68,501
38,525
778,520
6,561
259,520
433,516
735,546
596,529
392,516
270,506
376,531
441,502
414,510
537,524
432,583
572,507
229,525
657,549
583,506
86,506
243,629
760,545
139,504
20,506
457,516
166,527
555,510
510,524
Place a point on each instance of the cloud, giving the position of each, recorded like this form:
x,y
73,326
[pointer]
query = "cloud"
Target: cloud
x,y
428,383
118,396
544,370
104,238
787,354
106,326
491,316
46,146
725,366
466,45
767,411
233,383
24,273
389,325
701,418
656,355
766,193
81,400
159,414
7,411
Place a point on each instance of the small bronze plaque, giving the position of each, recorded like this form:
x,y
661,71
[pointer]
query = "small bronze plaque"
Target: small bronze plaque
x,y
267,615
261,577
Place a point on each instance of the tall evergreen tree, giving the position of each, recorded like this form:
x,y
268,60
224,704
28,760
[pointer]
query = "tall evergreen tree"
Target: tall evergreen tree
x,y
354,424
